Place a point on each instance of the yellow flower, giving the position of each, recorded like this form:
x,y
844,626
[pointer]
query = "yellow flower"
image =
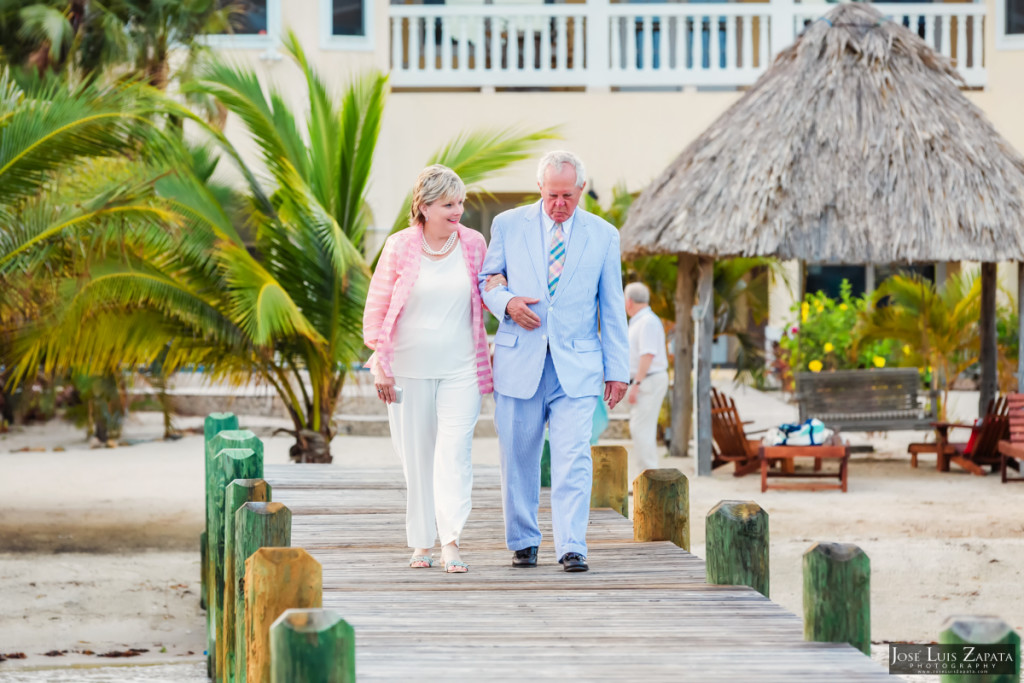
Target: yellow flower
x,y
805,309
842,307
906,349
815,366
828,347
878,361
820,308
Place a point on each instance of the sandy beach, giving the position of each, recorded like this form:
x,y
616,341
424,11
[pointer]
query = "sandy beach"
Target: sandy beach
x,y
98,547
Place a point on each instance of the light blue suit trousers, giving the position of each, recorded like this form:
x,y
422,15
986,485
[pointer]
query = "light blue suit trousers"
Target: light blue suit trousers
x,y
554,374
520,425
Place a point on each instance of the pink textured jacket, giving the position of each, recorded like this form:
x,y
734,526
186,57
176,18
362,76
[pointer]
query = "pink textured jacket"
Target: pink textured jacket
x,y
392,281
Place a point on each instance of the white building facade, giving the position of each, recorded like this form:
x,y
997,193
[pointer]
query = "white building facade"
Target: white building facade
x,y
627,84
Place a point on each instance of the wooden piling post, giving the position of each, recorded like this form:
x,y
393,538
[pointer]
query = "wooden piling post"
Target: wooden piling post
x,y
244,445
237,493
545,464
257,525
312,645
610,488
973,630
214,424
737,545
203,569
837,595
661,507
276,579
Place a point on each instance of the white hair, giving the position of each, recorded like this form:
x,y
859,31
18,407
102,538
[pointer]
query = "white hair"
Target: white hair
x,y
637,292
556,160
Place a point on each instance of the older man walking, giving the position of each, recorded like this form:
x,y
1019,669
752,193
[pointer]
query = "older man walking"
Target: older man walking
x,y
552,363
648,378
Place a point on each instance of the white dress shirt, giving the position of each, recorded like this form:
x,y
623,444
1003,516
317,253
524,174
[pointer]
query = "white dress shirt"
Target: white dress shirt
x,y
647,336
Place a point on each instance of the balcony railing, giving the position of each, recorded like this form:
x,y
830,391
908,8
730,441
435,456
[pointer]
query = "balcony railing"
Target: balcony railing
x,y
604,45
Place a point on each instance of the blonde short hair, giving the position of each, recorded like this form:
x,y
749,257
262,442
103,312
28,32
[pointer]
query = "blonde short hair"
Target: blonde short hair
x,y
433,183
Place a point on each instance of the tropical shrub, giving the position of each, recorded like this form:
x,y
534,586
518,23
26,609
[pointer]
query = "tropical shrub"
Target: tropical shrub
x,y
1008,338
937,326
824,335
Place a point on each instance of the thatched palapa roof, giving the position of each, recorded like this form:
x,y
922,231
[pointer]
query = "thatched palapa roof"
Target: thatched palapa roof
x,y
856,146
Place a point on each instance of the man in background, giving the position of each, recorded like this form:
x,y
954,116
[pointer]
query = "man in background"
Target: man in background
x,y
648,378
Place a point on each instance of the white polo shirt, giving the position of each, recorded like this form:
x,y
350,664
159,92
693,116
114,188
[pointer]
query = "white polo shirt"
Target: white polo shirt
x,y
647,336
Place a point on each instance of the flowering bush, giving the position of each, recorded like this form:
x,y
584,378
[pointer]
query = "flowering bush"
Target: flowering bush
x,y
824,336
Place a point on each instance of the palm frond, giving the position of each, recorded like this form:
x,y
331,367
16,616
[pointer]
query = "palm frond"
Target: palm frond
x,y
260,305
265,114
44,133
476,155
46,25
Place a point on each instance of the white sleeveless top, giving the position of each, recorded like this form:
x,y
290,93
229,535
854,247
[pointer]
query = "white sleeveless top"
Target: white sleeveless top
x,y
434,332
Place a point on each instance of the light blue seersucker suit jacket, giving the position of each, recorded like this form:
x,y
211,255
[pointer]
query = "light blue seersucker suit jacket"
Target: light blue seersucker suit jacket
x,y
589,292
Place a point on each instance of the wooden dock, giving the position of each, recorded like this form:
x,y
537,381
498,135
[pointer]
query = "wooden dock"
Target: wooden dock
x,y
643,611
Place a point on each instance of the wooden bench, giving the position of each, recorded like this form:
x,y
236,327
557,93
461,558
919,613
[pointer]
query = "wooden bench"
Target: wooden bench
x,y
867,400
1011,449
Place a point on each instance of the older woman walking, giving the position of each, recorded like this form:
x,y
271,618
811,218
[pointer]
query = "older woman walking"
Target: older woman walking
x,y
424,320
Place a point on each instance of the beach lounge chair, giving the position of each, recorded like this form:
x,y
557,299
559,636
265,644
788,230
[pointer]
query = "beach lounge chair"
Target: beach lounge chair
x,y
981,448
1011,449
732,444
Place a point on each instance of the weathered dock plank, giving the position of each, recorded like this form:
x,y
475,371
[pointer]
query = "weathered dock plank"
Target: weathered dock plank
x,y
643,612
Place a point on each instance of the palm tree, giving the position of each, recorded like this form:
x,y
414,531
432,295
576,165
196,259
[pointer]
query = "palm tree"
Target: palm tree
x,y
63,177
938,324
135,37
285,307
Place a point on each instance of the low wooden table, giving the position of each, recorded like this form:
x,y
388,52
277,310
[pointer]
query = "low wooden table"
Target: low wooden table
x,y
785,454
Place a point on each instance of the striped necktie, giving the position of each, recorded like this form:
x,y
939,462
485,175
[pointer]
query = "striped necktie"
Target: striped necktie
x,y
556,258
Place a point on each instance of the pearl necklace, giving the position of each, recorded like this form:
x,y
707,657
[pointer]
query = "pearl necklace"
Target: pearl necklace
x,y
444,249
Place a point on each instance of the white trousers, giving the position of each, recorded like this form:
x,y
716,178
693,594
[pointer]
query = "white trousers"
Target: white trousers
x,y
432,434
643,424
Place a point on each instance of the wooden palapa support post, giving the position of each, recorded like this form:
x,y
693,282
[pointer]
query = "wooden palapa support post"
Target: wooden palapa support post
x,y
236,494
980,631
214,424
276,579
257,525
837,595
706,304
312,645
1020,326
682,384
610,487
661,507
989,347
231,439
737,545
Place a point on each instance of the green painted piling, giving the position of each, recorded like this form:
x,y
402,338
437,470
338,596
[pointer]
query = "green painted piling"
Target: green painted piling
x,y
237,493
312,645
257,525
837,595
736,547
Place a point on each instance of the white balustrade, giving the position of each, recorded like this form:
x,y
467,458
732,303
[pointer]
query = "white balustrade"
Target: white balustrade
x,y
522,43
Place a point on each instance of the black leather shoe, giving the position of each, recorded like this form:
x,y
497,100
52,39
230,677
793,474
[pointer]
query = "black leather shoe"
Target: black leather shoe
x,y
527,557
573,562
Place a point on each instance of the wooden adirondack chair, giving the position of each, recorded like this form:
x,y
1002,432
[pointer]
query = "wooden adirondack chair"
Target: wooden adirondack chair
x,y
1011,450
982,447
731,443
